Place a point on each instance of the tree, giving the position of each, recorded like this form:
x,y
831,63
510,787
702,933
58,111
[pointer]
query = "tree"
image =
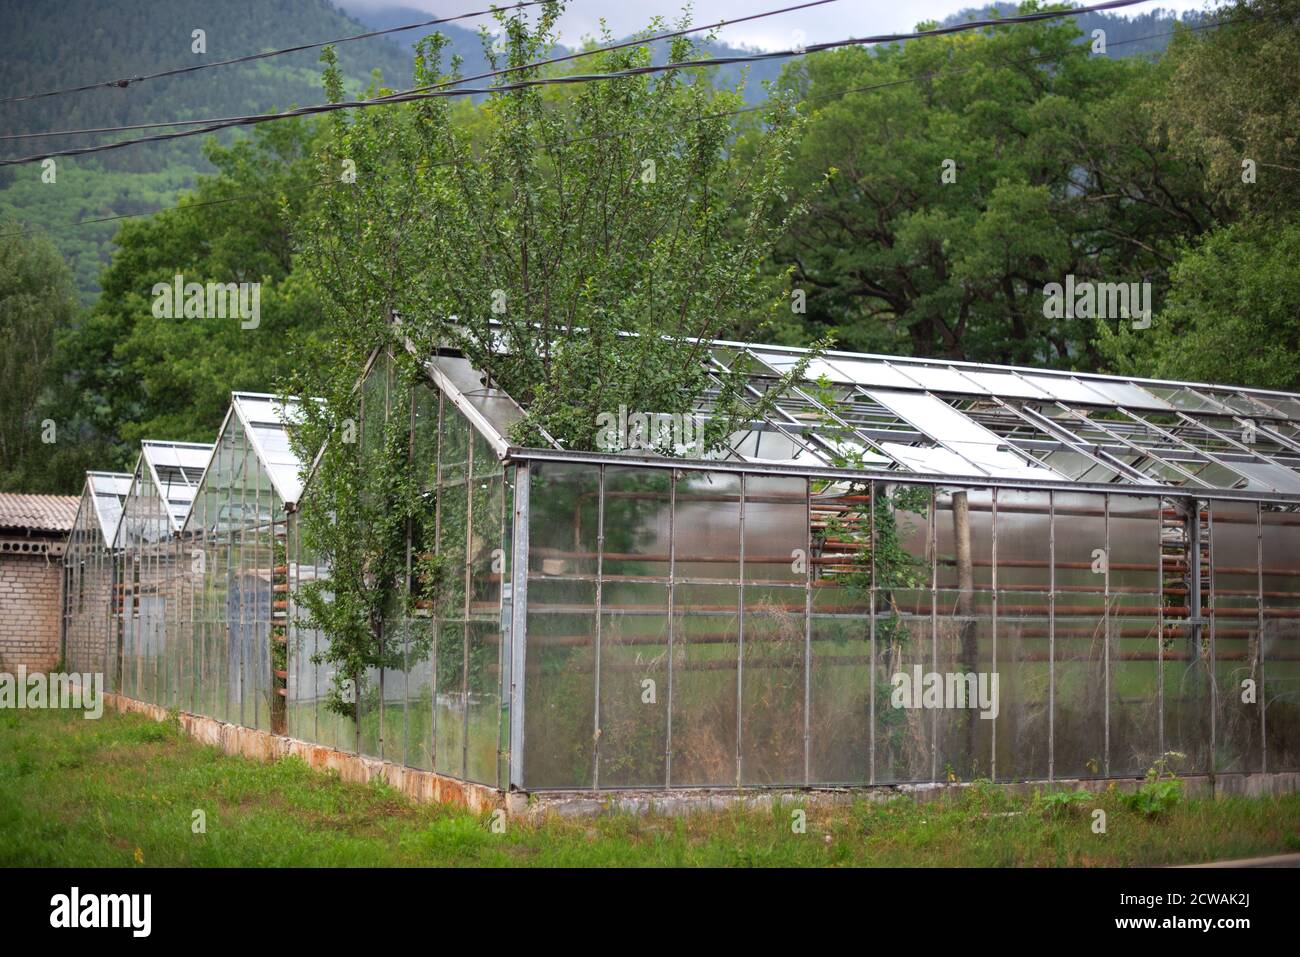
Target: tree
x,y
1229,109
576,246
131,374
1234,96
1232,315
36,303
968,172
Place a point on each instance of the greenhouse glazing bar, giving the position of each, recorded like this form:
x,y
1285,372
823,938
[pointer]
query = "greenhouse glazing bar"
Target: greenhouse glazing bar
x,y
520,454
518,626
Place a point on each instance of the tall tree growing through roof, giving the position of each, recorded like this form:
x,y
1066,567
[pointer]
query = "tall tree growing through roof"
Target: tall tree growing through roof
x,y
558,220
576,243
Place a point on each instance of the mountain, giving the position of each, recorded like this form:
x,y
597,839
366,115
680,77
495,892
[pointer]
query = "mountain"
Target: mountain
x,y
49,46
1129,34
465,43
1143,33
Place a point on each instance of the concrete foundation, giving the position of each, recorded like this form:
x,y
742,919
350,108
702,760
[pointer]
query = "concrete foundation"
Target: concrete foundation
x,y
422,786
427,786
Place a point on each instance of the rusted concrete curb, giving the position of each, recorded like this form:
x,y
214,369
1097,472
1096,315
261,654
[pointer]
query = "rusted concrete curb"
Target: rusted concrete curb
x,y
430,787
422,786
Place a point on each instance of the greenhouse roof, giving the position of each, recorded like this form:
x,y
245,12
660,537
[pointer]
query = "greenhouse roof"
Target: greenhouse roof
x,y
106,492
265,418
176,469
1003,424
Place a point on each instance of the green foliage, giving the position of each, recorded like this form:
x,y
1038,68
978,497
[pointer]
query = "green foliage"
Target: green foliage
x,y
355,519
1045,148
36,305
90,793
597,231
1057,803
1160,792
1234,95
1230,315
126,374
593,233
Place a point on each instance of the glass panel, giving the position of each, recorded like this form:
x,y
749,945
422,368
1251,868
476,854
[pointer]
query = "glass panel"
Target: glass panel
x,y
772,685
1281,644
706,629
634,627
842,686
393,746
902,562
634,684
368,713
1066,390
773,666
937,379
419,692
1023,569
1081,636
964,633
1187,676
1134,561
559,678
1236,617
484,701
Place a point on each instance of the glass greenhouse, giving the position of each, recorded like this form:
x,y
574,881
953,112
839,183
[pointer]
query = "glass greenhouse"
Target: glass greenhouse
x,y
1119,556
231,646
147,601
1080,576
89,567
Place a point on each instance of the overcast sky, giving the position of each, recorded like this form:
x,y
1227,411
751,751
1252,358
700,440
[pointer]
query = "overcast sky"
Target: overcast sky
x,y
842,18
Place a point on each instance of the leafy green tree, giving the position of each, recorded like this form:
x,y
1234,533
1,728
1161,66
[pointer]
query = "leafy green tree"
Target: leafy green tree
x,y
1230,110
1233,100
574,245
966,173
130,374
36,302
1232,315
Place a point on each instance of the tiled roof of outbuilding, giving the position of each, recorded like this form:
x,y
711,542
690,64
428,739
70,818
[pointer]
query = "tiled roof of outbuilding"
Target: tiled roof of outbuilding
x,y
43,513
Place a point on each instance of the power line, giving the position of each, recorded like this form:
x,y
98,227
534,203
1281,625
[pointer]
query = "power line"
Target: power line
x,y
123,82
437,91
740,111
670,35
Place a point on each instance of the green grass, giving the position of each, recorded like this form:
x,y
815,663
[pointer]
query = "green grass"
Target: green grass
x,y
122,791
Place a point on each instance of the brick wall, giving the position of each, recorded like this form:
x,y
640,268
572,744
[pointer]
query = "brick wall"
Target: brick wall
x,y
29,611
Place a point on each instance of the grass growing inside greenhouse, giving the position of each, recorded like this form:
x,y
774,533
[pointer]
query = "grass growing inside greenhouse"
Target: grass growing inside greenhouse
x,y
122,791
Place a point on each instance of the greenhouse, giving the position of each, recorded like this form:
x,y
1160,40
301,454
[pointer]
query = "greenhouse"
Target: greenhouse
x,y
1081,576
906,571
147,592
201,562
229,653
89,566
